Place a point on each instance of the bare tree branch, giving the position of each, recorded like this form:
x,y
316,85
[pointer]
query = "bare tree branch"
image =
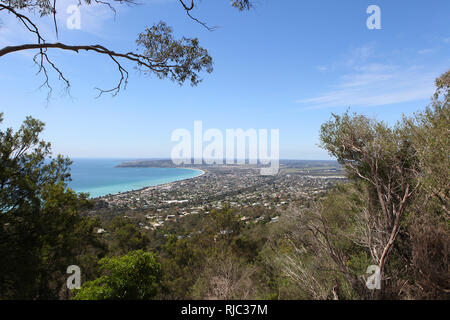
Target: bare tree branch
x,y
188,12
164,56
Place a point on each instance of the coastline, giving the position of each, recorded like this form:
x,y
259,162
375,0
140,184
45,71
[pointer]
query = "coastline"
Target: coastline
x,y
196,169
202,172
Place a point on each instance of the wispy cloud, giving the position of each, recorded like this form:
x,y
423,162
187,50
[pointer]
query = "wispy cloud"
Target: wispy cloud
x,y
425,51
359,55
368,83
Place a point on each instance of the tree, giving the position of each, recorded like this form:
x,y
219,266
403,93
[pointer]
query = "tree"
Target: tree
x,y
133,276
157,52
429,214
398,210
182,264
384,161
225,277
127,236
223,224
42,230
431,138
324,252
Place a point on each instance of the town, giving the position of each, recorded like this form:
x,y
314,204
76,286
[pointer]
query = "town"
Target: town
x,y
238,186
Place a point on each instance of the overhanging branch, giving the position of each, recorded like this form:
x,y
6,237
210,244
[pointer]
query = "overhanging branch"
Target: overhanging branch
x,y
139,59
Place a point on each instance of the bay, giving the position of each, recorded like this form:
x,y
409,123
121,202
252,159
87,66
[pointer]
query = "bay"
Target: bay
x,y
101,177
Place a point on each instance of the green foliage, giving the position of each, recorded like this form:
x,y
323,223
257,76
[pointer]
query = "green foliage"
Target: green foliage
x,y
223,224
159,47
41,229
396,195
241,4
133,276
219,252
182,263
126,236
368,149
431,139
393,212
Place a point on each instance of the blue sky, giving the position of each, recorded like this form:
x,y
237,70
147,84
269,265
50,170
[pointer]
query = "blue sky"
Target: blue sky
x,y
285,65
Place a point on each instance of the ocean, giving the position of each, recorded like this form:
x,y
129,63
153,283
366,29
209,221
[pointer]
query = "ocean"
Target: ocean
x,y
100,177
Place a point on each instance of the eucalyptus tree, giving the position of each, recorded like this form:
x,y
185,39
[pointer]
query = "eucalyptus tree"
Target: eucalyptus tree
x,y
157,52
401,170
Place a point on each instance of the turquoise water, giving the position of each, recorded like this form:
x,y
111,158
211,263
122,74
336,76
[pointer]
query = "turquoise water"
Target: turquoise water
x,y
100,177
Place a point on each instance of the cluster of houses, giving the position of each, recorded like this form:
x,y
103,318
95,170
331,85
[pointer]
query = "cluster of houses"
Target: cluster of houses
x,y
238,187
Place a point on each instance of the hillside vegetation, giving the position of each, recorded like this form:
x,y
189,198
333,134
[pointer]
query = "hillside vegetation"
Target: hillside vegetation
x,y
391,212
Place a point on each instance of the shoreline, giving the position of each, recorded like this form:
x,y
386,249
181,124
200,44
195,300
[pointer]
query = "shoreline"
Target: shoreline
x,y
202,172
